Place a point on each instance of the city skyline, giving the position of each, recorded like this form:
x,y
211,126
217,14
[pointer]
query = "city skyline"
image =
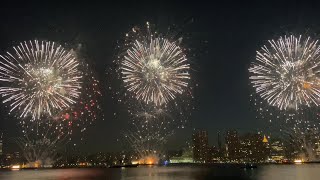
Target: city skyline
x,y
253,147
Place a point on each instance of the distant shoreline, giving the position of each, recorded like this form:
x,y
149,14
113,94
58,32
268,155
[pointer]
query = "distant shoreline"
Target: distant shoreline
x,y
206,165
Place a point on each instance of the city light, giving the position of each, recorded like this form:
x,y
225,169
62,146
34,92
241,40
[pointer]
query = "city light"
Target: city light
x,y
15,167
298,161
149,160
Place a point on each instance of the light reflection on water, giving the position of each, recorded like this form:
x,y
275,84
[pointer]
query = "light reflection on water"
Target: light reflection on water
x,y
267,172
289,172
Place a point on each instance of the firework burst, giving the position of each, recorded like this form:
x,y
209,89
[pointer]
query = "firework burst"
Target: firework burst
x,y
154,68
38,78
76,118
286,73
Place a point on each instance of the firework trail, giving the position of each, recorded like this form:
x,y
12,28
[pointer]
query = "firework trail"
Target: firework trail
x,y
300,131
41,142
39,153
154,68
297,129
301,143
147,136
286,72
39,77
149,131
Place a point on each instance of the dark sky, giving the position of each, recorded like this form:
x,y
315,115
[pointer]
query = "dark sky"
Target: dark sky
x,y
223,36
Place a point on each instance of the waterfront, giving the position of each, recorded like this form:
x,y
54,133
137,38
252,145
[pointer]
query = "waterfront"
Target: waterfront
x,y
265,172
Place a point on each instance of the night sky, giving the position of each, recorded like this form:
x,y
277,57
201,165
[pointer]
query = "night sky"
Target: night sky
x,y
224,39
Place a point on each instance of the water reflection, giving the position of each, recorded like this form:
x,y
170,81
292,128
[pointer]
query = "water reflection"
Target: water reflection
x,y
52,174
289,172
267,172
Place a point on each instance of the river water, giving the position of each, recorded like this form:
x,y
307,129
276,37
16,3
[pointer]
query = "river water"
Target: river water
x,y
266,172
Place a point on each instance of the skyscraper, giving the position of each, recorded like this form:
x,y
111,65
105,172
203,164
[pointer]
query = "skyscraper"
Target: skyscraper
x,y
232,145
277,151
254,148
200,146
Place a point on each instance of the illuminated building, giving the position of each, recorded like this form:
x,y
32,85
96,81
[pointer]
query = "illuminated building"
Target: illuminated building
x,y
186,157
8,159
177,160
277,151
213,154
254,148
16,155
200,146
232,145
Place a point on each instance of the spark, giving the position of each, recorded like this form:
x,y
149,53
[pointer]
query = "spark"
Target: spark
x,y
87,109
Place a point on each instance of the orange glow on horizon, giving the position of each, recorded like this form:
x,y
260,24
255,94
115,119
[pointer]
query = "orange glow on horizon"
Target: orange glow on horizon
x,y
149,160
298,161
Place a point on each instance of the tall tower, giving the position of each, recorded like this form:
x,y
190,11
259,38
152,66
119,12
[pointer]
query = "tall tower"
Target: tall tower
x,y
265,140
